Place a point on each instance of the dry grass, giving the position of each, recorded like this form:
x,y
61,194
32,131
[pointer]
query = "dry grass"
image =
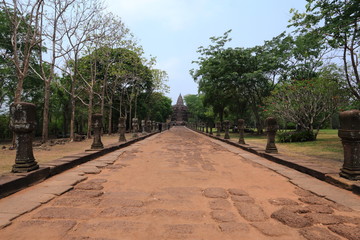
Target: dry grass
x,y
42,155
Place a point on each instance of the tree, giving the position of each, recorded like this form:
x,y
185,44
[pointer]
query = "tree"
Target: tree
x,y
227,75
51,32
197,110
209,75
308,103
156,107
160,78
121,70
78,25
25,21
337,22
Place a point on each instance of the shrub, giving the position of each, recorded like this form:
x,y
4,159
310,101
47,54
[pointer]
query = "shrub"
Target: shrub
x,y
296,136
5,132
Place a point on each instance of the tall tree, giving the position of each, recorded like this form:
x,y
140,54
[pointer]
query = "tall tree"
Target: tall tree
x,y
52,32
337,22
78,24
25,21
309,103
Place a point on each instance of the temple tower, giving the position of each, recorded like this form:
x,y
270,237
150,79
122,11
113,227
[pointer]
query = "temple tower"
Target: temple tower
x,y
180,112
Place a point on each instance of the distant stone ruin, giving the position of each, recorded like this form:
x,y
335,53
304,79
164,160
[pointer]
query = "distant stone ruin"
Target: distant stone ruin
x,y
180,112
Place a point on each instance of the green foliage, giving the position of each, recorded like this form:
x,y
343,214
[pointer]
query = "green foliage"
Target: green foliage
x,y
232,77
156,107
197,111
296,136
5,132
337,22
309,103
8,78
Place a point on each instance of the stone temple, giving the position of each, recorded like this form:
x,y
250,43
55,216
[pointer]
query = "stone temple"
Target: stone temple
x,y
180,112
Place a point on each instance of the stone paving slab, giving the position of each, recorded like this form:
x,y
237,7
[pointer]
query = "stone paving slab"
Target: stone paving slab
x,y
96,163
18,204
55,190
11,183
156,197
39,196
327,174
69,178
319,187
6,218
88,169
4,222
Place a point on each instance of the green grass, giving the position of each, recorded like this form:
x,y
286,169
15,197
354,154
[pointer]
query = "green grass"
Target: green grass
x,y
327,146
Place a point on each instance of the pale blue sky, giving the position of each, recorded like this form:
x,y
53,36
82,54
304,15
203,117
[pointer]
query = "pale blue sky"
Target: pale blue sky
x,y
172,30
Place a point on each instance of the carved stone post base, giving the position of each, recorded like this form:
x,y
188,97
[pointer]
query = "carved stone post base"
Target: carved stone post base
x,y
148,124
227,126
241,127
218,129
271,129
350,174
97,126
349,133
122,129
143,132
22,122
135,126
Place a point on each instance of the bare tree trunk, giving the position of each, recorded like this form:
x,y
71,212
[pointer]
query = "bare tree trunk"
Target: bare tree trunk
x,y
110,117
130,120
65,122
135,106
45,127
72,117
90,111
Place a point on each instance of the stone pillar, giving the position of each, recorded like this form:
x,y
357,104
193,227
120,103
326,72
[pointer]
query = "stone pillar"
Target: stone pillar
x,y
122,129
143,127
96,123
135,127
22,123
241,127
227,126
349,133
218,128
211,128
148,126
153,124
271,129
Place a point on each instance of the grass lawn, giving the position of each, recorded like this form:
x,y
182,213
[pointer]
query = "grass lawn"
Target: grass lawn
x,y
7,157
327,146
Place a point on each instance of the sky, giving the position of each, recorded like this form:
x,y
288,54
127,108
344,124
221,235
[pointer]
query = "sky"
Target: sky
x,y
173,30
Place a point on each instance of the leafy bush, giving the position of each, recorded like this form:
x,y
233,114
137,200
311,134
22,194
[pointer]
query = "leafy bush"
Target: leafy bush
x,y
296,136
290,125
5,132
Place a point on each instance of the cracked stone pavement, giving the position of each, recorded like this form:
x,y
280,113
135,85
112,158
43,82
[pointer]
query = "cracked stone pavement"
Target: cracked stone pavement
x,y
180,185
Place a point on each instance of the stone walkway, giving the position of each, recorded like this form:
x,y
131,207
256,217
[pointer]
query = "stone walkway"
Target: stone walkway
x,y
181,185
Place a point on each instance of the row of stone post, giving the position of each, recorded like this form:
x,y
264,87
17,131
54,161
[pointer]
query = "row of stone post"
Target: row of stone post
x,y
97,126
23,122
271,129
349,133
